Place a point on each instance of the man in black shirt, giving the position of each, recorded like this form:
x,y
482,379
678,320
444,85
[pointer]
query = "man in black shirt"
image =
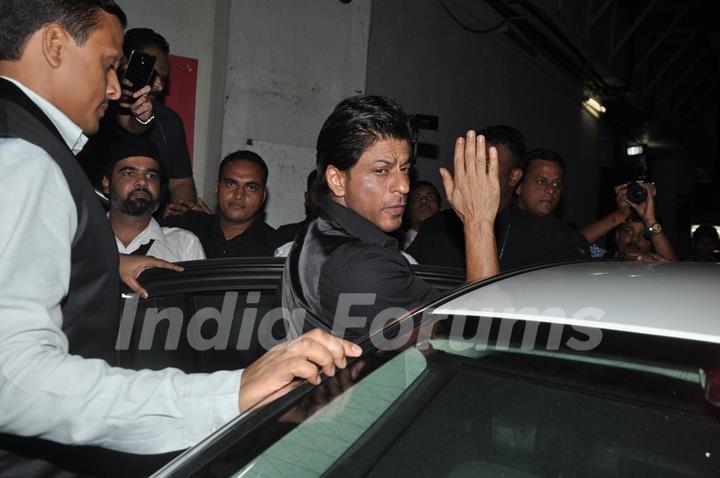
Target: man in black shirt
x,y
158,122
237,230
525,230
344,272
539,236
166,130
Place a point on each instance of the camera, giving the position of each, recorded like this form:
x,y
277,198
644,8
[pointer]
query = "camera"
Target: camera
x,y
636,193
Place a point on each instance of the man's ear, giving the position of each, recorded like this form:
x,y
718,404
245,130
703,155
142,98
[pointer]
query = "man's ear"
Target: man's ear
x,y
54,44
516,175
106,185
336,181
264,195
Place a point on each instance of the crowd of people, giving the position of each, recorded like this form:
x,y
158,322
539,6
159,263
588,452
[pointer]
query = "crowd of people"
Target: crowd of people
x,y
366,223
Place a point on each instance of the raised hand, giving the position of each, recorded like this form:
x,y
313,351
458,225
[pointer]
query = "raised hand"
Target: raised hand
x,y
474,191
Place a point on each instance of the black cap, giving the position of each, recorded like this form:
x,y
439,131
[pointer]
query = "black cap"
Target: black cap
x,y
129,145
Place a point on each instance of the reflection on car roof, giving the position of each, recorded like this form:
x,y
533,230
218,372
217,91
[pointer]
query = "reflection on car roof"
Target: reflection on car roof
x,y
679,300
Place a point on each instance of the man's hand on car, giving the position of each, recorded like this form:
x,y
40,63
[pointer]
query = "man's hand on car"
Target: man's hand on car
x,y
645,257
132,266
304,357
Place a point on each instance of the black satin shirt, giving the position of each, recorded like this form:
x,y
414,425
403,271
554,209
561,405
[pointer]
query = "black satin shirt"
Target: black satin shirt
x,y
343,271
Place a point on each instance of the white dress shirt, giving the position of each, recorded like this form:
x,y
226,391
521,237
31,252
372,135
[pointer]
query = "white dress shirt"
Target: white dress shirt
x,y
170,243
46,392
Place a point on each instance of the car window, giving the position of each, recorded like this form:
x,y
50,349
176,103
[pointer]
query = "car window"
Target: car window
x,y
462,407
312,447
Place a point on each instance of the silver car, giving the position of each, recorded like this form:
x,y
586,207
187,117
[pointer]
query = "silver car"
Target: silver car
x,y
597,369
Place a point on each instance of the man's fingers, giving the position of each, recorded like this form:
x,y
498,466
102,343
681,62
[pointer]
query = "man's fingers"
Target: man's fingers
x,y
201,206
650,187
135,286
336,348
144,91
301,368
351,349
161,264
459,158
471,153
175,209
447,182
492,163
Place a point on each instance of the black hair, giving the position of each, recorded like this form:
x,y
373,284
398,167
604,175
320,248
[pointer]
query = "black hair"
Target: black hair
x,y
312,180
417,184
19,19
141,38
705,230
509,137
244,155
544,155
356,124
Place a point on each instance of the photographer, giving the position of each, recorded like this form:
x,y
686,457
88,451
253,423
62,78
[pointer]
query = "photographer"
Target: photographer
x,y
638,231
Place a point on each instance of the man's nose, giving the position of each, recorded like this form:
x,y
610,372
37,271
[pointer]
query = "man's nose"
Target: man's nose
x,y
401,183
158,84
113,85
141,179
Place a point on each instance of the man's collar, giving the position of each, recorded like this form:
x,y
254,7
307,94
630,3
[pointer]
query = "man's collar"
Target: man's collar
x,y
152,231
355,224
70,132
252,229
155,231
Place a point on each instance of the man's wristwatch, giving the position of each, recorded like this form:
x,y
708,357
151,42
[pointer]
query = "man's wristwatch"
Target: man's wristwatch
x,y
653,230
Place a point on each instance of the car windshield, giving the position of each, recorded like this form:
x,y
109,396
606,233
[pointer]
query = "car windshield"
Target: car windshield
x,y
447,407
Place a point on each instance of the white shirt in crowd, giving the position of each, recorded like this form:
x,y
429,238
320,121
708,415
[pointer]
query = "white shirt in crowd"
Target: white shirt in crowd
x,y
46,392
171,244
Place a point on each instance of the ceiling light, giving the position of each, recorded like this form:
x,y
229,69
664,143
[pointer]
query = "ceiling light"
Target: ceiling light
x,y
594,107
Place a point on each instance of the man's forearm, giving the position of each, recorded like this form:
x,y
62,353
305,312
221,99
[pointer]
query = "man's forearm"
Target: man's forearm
x,y
663,247
595,231
481,259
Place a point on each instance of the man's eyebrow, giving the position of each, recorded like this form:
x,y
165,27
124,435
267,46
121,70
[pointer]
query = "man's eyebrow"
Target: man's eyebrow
x,y
128,168
387,162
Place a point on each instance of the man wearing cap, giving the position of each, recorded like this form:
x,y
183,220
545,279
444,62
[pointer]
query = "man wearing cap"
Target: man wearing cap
x,y
132,180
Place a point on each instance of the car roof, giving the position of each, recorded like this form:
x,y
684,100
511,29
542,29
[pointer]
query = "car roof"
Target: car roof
x,y
678,300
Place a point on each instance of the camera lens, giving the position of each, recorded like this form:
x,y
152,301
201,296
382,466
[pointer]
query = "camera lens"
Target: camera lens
x,y
636,193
